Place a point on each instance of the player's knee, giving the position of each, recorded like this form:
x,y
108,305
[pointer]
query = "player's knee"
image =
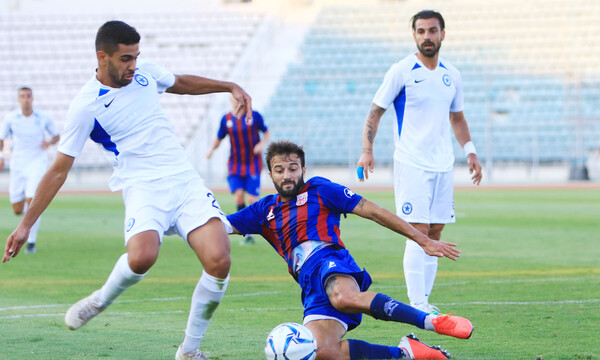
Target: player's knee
x,y
142,262
344,301
218,266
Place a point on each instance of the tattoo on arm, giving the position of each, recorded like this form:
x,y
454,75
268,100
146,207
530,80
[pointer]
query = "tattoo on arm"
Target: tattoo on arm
x,y
331,283
361,203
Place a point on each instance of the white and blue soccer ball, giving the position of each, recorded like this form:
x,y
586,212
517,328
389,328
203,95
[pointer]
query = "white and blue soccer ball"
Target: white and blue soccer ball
x,y
290,341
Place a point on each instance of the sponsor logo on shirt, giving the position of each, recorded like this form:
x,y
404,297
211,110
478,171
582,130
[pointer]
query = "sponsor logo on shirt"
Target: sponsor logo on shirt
x,y
229,123
331,264
141,79
301,199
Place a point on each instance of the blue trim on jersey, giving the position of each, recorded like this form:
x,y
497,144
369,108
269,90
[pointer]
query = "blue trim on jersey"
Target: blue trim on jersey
x,y
415,67
399,106
102,92
442,65
100,136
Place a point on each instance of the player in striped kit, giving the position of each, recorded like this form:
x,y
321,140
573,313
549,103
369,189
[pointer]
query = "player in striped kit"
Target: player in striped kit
x,y
27,128
301,223
245,156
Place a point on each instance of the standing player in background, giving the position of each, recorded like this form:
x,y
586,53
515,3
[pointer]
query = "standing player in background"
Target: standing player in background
x,y
27,128
163,194
245,157
302,223
426,92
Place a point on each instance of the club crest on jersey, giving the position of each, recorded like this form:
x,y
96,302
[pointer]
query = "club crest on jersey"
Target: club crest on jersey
x,y
349,193
407,208
248,121
446,80
301,199
270,216
141,79
229,123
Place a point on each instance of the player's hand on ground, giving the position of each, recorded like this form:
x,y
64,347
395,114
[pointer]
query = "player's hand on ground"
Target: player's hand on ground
x,y
14,243
244,103
441,249
474,169
364,165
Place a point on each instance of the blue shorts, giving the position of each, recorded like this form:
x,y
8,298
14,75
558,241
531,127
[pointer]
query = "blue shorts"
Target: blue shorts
x,y
250,184
324,263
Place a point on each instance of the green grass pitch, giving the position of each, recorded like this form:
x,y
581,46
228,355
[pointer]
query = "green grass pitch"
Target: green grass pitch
x,y
528,278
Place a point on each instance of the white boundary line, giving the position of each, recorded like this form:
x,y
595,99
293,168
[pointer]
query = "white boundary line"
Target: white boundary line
x,y
556,302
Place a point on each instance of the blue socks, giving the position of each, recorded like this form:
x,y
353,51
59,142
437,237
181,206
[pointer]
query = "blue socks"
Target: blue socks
x,y
385,308
363,350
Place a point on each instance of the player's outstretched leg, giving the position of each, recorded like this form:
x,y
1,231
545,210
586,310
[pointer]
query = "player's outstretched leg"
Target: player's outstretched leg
x,y
385,308
410,348
413,348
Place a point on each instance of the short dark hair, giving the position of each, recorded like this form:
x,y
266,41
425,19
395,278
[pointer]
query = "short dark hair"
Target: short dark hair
x,y
428,14
113,33
286,148
24,88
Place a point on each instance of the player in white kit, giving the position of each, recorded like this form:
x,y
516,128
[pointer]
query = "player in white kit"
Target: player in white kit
x,y
27,127
119,109
427,95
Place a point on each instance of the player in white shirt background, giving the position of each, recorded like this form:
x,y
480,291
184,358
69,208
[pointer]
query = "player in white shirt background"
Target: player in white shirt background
x,y
119,109
426,91
28,129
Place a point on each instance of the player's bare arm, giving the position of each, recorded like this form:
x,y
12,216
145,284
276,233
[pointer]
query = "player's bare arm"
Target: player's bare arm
x,y
52,181
215,144
54,140
197,85
258,148
367,161
386,218
463,136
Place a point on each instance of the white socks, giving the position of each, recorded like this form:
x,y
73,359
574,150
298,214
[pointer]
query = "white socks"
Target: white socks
x,y
207,296
34,231
121,278
420,270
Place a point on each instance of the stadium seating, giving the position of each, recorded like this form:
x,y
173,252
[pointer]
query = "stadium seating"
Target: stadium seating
x,y
526,96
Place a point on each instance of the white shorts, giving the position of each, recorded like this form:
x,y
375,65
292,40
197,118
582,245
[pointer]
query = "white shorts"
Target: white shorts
x,y
24,182
173,205
423,197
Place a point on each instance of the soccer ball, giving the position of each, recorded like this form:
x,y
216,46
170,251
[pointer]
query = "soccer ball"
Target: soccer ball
x,y
290,341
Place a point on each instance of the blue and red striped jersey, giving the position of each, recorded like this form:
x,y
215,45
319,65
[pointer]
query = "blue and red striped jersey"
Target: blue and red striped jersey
x,y
314,214
243,136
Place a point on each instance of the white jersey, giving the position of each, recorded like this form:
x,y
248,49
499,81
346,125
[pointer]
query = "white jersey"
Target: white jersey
x,y
130,124
27,134
423,100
